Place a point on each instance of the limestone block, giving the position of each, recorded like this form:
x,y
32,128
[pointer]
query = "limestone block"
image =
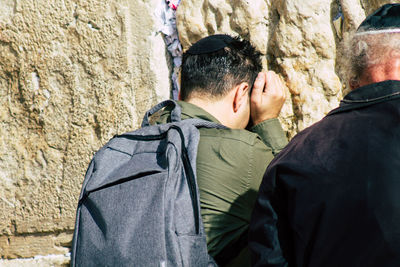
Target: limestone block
x,y
31,245
72,75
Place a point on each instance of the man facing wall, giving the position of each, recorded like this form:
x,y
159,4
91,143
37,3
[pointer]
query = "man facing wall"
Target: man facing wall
x,y
221,81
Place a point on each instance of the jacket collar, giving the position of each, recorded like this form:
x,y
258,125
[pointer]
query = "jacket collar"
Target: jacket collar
x,y
369,95
373,92
192,111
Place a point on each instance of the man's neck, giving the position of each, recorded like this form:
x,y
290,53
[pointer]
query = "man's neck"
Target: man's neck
x,y
217,108
382,72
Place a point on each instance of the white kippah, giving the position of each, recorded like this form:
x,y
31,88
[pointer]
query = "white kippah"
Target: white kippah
x,y
378,32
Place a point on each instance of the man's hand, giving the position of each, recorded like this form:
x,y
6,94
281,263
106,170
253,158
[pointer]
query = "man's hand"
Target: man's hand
x,y
267,97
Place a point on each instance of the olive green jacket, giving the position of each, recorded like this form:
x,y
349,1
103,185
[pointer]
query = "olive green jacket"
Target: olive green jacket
x,y
230,166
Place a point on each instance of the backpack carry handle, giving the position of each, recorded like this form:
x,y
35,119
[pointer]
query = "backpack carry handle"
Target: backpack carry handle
x,y
175,113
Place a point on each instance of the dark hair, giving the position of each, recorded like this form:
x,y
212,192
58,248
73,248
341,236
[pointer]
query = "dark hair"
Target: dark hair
x,y
214,74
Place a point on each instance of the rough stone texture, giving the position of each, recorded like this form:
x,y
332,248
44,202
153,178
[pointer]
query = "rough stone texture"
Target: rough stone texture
x,y
72,75
298,39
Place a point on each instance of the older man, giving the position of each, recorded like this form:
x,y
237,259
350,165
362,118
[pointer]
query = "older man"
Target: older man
x,y
332,196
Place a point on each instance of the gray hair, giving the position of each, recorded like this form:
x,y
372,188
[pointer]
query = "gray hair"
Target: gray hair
x,y
366,50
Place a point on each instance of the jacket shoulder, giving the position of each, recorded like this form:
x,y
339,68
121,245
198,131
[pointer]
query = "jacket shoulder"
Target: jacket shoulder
x,y
231,135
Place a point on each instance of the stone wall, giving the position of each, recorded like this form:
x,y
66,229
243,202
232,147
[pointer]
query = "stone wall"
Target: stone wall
x,y
73,73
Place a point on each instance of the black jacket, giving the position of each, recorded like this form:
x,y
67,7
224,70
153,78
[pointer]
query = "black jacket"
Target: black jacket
x,y
332,196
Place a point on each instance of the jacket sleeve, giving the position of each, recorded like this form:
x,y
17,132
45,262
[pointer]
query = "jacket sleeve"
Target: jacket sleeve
x,y
263,234
271,134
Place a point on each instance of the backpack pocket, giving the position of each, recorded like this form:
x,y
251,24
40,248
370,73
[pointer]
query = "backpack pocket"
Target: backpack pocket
x,y
193,250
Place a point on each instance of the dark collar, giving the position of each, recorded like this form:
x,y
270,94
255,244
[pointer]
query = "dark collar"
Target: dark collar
x,y
369,95
373,92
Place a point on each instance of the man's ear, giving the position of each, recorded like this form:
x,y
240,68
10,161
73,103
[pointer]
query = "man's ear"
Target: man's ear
x,y
241,96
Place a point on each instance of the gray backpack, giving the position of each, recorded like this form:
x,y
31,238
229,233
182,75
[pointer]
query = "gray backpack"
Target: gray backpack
x,y
139,204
